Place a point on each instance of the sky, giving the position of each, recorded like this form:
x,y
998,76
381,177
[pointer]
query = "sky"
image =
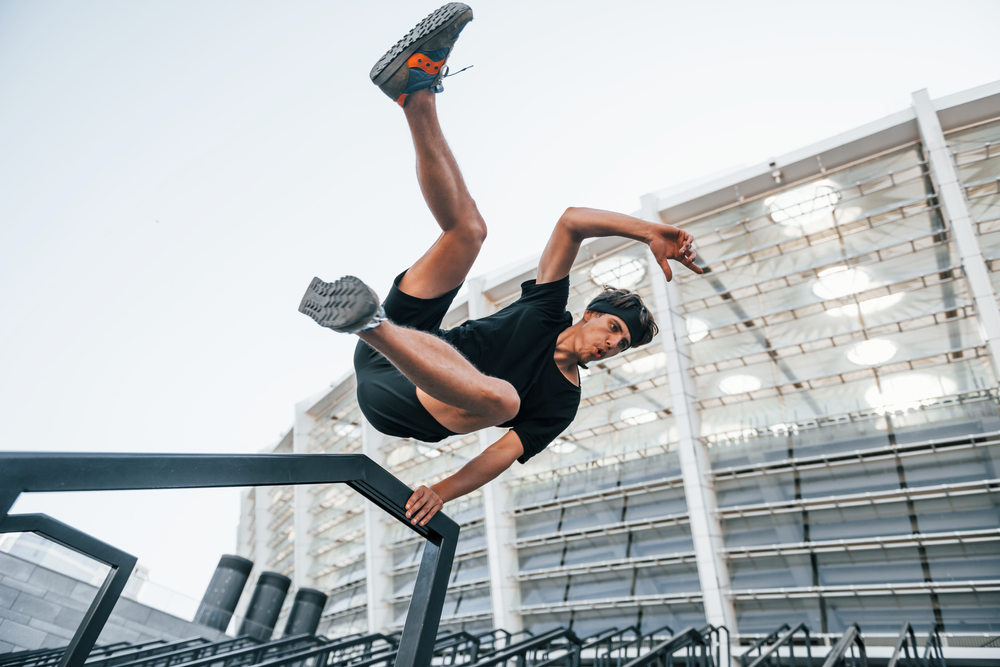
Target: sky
x,y
172,175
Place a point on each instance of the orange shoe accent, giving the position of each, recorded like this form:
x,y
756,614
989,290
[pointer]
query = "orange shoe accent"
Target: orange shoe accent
x,y
401,100
423,62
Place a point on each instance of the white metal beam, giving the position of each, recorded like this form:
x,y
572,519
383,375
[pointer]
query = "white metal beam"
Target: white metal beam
x,y
963,228
377,561
498,513
699,484
303,426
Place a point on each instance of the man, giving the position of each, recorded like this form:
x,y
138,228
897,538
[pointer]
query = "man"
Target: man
x,y
516,368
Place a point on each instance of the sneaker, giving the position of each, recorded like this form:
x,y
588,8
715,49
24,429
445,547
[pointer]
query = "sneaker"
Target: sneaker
x,y
346,305
418,60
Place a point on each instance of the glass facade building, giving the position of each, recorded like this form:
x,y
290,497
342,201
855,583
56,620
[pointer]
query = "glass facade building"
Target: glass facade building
x,y
814,435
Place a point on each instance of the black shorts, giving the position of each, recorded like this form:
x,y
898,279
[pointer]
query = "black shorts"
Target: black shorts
x,y
387,398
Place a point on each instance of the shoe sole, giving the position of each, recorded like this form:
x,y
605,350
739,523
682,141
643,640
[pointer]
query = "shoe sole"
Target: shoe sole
x,y
343,305
430,27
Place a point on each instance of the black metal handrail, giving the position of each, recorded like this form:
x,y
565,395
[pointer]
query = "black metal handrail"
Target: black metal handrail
x,y
489,641
713,633
23,472
772,655
933,649
905,643
839,655
142,651
50,656
456,648
230,655
523,651
661,655
617,653
186,654
760,644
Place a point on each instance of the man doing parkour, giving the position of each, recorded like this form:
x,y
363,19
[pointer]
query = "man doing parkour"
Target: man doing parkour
x,y
516,368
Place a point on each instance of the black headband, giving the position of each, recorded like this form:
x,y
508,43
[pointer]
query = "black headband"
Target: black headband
x,y
630,316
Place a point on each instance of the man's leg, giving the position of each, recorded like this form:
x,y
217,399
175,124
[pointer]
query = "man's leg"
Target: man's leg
x,y
447,263
457,395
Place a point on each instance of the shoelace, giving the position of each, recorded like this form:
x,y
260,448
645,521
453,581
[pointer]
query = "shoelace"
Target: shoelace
x,y
439,88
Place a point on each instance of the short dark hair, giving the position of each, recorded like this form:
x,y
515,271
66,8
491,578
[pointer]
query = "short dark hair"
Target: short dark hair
x,y
627,299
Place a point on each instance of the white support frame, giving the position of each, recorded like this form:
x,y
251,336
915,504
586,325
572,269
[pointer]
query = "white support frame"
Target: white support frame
x,y
303,426
377,559
963,229
699,484
498,513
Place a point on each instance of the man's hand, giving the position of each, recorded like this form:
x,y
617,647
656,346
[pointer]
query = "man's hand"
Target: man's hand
x,y
667,242
422,505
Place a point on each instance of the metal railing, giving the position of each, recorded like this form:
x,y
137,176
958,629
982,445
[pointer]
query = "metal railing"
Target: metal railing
x,y
906,643
933,649
538,650
50,656
713,634
699,651
24,472
772,656
841,654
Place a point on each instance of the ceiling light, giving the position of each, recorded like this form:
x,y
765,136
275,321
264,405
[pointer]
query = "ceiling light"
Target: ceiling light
x,y
739,384
872,352
636,416
840,281
618,272
697,329
563,447
908,392
867,306
429,452
646,364
800,206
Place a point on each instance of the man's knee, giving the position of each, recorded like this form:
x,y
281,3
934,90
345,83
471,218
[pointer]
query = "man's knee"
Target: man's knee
x,y
504,402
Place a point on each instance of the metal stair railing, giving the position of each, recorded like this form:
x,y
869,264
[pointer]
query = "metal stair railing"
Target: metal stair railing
x,y
905,643
526,653
841,655
143,651
356,652
616,652
181,651
713,634
26,472
772,656
662,655
176,656
570,654
493,640
456,648
933,649
231,657
760,644
46,656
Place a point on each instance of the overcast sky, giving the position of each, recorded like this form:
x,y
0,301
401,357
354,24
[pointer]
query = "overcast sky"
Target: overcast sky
x,y
173,173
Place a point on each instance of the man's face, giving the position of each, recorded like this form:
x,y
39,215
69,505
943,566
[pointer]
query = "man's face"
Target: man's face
x,y
603,336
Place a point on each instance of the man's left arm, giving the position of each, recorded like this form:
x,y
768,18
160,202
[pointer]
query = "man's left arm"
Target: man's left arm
x,y
578,224
426,501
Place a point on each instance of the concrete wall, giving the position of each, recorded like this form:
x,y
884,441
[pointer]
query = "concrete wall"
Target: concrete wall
x,y
40,608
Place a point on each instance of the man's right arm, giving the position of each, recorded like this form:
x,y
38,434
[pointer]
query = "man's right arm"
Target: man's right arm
x,y
425,502
578,224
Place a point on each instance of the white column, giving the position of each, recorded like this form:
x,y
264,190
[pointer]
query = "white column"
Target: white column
x,y
262,503
699,484
379,583
498,513
951,195
303,426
